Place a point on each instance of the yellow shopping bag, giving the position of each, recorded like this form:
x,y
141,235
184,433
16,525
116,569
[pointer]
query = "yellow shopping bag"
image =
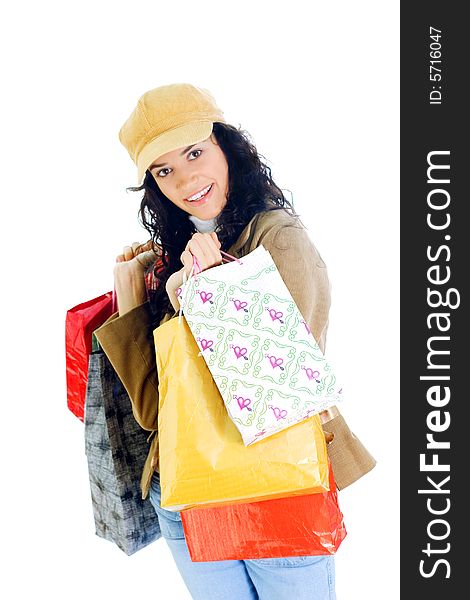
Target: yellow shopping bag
x,y
202,457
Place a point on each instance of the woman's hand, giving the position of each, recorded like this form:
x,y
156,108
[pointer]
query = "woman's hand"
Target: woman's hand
x,y
144,254
129,275
205,247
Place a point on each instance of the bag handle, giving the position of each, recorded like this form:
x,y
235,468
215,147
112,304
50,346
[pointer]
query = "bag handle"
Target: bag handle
x,y
195,270
197,266
231,257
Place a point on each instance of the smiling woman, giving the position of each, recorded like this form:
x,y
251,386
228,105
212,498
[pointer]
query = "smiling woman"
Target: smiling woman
x,y
206,192
181,144
195,179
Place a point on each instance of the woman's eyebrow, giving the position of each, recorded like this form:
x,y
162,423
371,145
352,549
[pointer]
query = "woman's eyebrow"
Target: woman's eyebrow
x,y
181,154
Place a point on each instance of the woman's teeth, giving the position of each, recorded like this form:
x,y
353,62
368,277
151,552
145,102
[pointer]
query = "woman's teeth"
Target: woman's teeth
x,y
200,194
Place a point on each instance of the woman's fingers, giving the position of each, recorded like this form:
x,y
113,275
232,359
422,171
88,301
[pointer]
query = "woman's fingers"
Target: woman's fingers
x,y
204,246
187,260
145,252
200,251
206,249
144,247
128,251
216,239
146,258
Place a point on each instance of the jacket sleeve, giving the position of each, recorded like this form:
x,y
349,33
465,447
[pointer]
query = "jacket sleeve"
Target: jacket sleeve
x,y
304,273
127,341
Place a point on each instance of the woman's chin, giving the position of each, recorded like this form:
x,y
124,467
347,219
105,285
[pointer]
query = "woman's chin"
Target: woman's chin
x,y
207,212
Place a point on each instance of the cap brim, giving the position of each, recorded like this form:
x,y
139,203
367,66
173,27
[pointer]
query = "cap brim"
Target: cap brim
x,y
182,136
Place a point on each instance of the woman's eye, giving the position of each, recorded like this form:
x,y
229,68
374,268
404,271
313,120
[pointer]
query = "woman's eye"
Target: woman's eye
x,y
163,172
195,154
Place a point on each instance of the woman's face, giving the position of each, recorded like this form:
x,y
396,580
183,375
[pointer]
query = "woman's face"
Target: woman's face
x,y
194,178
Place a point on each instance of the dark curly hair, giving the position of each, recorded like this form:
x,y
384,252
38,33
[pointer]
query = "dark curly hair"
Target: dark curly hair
x,y
251,190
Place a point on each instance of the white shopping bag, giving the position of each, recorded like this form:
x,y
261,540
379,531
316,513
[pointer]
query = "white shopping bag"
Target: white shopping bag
x,y
265,361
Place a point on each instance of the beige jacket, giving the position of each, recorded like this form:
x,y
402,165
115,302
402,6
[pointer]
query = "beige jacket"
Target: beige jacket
x,y
128,340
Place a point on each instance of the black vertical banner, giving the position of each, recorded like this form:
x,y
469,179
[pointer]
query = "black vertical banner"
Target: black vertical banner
x,y
435,268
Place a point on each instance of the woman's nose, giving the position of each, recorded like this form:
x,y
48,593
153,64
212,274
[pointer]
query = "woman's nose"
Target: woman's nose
x,y
187,181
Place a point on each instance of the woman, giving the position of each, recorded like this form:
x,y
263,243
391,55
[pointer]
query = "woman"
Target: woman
x,y
206,189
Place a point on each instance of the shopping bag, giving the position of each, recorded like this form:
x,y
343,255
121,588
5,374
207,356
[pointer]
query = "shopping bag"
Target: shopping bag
x,y
261,353
202,458
294,526
116,448
80,322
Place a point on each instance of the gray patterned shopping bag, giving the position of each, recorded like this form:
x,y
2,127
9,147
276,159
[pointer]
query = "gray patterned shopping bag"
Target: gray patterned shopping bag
x,y
116,448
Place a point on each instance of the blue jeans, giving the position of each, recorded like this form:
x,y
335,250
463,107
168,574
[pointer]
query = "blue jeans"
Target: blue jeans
x,y
299,578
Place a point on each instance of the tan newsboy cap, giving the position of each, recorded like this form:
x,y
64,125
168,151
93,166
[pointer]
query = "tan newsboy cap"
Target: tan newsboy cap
x,y
165,119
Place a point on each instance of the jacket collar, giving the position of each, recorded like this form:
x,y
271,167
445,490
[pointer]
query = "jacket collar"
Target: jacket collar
x,y
242,238
259,222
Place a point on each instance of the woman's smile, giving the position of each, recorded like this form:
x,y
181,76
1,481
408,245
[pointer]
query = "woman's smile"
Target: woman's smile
x,y
200,197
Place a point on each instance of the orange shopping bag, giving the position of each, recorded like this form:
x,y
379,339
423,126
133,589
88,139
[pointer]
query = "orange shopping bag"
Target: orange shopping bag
x,y
294,526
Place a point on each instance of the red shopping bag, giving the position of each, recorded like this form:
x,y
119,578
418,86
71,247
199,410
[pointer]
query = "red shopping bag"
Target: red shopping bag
x,y
80,322
293,526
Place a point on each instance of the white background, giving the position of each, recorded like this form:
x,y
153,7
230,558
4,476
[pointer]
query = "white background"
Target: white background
x,y
316,85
